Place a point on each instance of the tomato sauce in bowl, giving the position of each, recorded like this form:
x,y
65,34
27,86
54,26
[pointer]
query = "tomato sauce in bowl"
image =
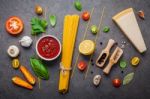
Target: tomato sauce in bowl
x,y
48,47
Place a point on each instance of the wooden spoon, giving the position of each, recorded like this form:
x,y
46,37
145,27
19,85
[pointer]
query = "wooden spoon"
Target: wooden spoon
x,y
113,59
104,54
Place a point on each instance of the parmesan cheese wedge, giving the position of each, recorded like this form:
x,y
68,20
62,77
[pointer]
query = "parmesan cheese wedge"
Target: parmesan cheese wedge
x,y
127,22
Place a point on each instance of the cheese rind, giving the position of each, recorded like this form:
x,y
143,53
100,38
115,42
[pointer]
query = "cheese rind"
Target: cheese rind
x,y
128,24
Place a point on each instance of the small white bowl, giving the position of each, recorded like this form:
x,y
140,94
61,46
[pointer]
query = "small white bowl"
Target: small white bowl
x,y
48,59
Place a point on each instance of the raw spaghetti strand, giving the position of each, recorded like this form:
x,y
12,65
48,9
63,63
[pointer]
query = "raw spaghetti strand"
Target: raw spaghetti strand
x,y
85,33
100,23
69,37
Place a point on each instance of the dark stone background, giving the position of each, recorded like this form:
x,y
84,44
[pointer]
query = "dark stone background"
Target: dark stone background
x,y
79,88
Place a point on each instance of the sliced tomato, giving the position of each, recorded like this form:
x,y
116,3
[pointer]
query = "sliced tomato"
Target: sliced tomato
x,y
14,25
82,65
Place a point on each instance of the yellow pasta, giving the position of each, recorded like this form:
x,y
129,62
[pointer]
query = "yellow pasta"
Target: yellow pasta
x,y
69,36
66,25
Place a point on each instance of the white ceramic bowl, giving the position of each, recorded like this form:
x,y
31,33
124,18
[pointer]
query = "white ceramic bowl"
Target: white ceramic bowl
x,y
48,59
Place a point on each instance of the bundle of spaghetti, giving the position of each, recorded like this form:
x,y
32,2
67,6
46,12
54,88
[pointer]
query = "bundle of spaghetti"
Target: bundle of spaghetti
x,y
69,37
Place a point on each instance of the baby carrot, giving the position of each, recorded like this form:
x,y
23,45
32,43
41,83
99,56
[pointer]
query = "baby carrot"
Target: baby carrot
x,y
20,82
27,75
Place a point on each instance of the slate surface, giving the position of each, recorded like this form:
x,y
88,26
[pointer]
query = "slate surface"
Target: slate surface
x,y
79,88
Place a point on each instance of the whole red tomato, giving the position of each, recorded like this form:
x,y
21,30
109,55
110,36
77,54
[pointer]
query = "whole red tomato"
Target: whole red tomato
x,y
116,82
85,16
82,65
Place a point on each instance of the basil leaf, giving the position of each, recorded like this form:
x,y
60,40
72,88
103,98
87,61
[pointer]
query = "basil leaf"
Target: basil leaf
x,y
39,69
38,26
128,78
78,5
43,23
52,19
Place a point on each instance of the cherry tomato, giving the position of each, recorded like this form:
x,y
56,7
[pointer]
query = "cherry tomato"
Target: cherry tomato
x,y
116,82
85,16
14,25
82,65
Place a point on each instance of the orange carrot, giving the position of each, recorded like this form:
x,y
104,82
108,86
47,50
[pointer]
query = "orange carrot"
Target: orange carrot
x,y
27,75
20,82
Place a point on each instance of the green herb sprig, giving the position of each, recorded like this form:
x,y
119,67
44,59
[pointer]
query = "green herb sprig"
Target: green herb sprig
x,y
38,26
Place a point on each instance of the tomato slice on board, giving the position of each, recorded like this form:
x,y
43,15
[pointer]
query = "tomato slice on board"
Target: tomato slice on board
x,y
82,65
14,25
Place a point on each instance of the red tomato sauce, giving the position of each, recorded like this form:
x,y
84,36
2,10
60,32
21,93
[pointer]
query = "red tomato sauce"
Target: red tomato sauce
x,y
48,47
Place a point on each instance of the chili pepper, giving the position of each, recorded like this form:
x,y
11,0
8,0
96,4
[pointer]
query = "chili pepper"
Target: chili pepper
x,y
27,75
20,82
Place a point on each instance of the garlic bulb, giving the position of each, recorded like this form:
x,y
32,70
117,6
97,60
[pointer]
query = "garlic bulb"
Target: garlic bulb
x,y
26,41
13,51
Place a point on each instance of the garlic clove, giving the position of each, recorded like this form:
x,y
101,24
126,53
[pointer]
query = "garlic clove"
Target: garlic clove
x,y
97,80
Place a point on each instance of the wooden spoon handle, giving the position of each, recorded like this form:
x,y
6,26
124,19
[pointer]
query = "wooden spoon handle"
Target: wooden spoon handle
x,y
104,54
108,68
111,42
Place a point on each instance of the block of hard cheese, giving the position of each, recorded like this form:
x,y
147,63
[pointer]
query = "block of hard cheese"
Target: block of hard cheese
x,y
127,22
